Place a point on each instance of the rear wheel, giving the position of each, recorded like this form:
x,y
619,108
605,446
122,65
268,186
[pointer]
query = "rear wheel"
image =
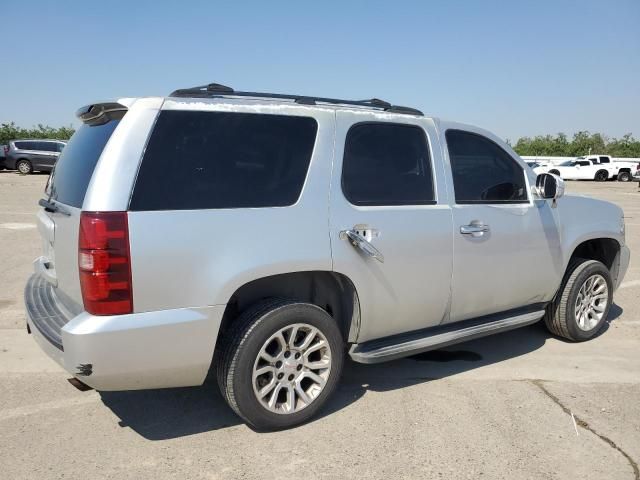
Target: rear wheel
x,y
282,362
624,176
24,166
601,176
582,304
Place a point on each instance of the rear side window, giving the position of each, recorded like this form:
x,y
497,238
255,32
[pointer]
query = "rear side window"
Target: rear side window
x,y
24,145
604,159
208,160
387,164
482,171
75,165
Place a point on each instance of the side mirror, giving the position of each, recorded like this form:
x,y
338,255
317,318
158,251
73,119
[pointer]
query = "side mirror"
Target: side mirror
x,y
549,186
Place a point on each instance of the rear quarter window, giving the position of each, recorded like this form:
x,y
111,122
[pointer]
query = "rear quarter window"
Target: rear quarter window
x,y
75,165
211,160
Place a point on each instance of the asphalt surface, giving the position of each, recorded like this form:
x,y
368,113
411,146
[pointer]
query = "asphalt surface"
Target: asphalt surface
x,y
498,407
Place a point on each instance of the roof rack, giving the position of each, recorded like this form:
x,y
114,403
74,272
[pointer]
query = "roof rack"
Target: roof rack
x,y
217,90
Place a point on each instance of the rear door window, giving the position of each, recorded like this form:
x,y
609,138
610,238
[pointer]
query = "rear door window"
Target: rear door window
x,y
210,160
387,164
75,165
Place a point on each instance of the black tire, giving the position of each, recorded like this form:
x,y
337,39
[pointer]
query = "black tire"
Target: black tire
x,y
560,317
624,176
26,169
236,356
601,176
555,172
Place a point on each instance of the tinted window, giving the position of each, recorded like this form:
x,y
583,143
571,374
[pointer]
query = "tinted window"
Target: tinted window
x,y
604,159
387,164
197,160
74,167
47,146
482,171
25,145
584,164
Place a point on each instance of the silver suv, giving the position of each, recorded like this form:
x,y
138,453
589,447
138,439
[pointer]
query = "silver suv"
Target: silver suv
x,y
265,236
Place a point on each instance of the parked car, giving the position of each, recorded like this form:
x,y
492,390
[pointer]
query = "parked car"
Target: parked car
x,y
264,237
28,156
623,171
579,169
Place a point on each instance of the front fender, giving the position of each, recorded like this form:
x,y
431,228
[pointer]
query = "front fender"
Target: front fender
x,y
585,218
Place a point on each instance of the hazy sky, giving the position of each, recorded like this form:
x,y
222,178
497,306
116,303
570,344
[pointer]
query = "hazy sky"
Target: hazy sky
x,y
515,67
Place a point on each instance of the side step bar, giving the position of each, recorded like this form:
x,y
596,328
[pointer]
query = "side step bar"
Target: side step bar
x,y
411,343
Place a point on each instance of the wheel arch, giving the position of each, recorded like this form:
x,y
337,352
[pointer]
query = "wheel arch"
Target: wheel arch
x,y
603,249
333,292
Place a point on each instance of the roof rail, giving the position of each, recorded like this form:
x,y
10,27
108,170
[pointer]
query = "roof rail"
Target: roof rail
x,y
218,90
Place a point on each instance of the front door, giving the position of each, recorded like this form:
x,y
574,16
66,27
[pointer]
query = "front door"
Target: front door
x,y
391,223
506,244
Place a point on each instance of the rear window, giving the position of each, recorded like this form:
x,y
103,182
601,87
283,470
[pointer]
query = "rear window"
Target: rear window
x,y
74,168
208,160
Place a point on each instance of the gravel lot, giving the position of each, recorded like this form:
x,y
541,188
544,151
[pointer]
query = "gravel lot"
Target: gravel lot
x,y
499,407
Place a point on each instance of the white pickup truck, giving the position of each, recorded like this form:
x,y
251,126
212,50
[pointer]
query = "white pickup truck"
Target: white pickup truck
x,y
592,167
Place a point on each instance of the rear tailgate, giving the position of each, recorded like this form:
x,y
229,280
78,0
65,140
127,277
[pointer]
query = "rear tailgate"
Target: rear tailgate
x,y
58,222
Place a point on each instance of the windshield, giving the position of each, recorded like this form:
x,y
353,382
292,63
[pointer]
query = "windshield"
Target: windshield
x,y
568,163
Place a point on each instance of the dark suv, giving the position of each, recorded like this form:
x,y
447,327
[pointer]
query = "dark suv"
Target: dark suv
x,y
27,156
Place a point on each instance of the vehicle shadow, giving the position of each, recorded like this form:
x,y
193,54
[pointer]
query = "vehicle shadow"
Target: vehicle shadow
x,y
172,413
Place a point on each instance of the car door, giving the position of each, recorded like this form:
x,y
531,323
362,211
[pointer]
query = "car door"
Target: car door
x,y
506,244
50,150
390,222
38,155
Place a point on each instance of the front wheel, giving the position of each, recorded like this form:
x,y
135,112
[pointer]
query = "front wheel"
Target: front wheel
x,y
601,176
582,304
281,363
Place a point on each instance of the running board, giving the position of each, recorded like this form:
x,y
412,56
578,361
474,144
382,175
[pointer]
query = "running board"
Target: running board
x,y
404,345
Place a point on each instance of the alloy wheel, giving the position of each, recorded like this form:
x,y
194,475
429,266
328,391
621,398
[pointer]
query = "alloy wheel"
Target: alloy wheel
x,y
591,302
292,368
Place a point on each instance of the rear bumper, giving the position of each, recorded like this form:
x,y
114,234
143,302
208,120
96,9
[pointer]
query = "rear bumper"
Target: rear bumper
x,y
167,348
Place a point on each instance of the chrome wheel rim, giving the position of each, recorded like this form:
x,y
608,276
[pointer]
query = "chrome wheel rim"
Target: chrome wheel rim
x,y
23,168
591,303
291,369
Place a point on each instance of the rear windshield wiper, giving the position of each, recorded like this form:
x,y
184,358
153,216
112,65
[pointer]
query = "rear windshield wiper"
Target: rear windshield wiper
x,y
52,207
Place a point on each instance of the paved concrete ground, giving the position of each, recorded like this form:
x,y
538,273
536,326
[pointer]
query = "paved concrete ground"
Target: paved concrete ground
x,y
498,407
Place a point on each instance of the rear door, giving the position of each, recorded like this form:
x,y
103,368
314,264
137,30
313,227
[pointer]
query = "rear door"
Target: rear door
x,y
66,189
390,221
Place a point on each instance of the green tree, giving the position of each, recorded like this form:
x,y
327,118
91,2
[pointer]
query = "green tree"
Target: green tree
x,y
10,131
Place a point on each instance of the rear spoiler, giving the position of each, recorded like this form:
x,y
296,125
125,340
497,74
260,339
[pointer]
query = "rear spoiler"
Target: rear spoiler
x,y
100,113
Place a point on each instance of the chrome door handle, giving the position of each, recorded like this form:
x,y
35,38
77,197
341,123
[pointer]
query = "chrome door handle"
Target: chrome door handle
x,y
360,242
475,229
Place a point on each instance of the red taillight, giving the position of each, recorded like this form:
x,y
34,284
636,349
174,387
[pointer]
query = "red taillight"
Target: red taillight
x,y
105,263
